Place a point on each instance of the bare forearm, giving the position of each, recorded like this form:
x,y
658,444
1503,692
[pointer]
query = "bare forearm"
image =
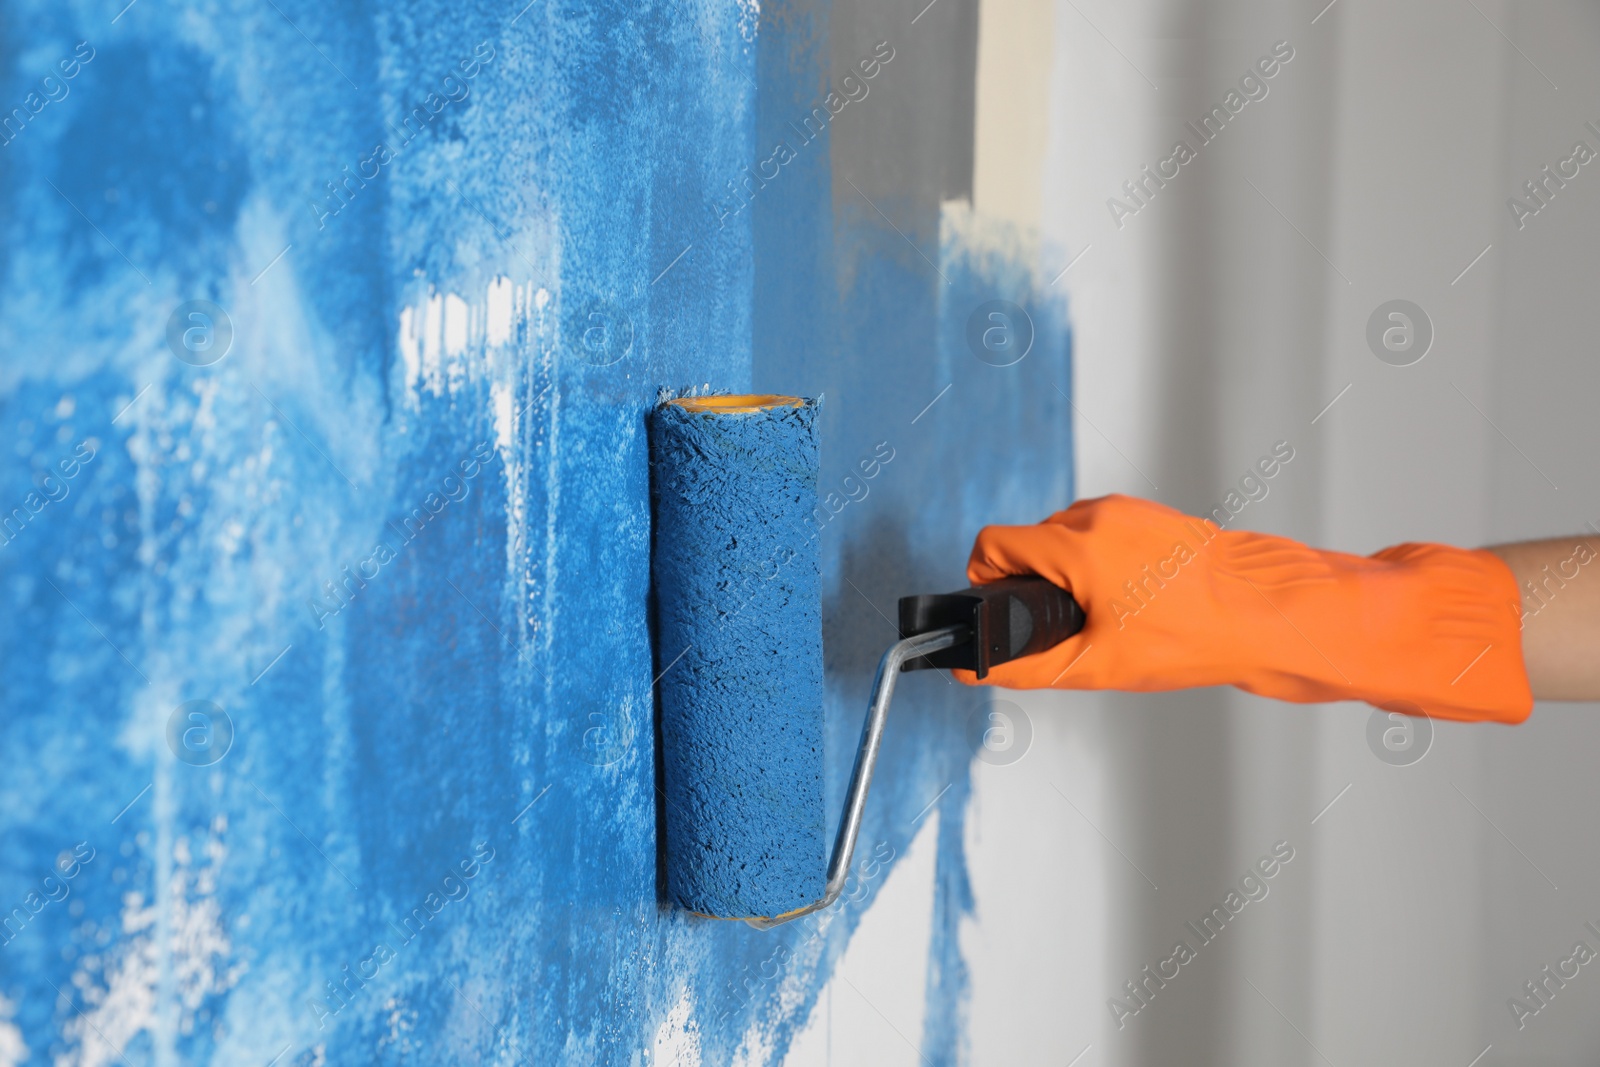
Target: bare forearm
x,y
1560,583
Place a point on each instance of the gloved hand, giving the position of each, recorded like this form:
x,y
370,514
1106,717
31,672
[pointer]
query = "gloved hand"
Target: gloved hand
x,y
1173,602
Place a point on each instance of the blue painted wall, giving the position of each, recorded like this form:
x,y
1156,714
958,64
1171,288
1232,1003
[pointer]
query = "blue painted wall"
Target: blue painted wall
x,y
392,535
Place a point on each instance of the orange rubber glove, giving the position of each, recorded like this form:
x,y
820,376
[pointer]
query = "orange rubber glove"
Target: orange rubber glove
x,y
1174,602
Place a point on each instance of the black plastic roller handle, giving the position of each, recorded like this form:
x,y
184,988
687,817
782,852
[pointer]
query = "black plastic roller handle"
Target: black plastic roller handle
x,y
1011,618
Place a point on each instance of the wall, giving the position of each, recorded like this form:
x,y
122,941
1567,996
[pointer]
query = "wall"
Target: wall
x,y
523,275
331,655
1229,313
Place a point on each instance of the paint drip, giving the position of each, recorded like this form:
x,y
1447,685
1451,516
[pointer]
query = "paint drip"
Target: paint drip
x,y
737,581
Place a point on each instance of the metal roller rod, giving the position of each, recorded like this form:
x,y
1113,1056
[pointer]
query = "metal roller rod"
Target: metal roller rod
x,y
855,804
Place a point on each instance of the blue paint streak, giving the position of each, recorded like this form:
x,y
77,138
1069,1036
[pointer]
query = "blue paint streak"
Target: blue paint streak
x,y
739,642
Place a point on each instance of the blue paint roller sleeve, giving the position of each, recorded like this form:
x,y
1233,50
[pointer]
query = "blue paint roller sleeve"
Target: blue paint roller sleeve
x,y
737,584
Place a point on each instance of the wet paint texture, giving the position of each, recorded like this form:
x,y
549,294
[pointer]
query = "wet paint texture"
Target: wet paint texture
x,y
739,636
399,534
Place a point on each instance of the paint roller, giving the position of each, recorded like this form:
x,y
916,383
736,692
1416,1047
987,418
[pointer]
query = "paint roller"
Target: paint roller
x,y
736,577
